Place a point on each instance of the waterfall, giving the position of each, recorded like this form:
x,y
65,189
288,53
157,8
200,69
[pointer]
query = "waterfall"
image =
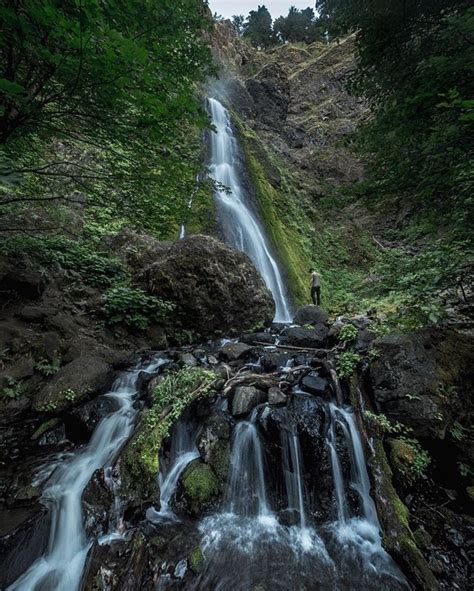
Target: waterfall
x,y
60,568
292,469
183,451
241,228
246,493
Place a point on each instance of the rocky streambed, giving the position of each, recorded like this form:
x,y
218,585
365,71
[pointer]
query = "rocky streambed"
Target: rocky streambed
x,y
241,463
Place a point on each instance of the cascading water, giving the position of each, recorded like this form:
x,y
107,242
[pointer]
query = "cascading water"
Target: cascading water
x,y
240,226
61,567
183,451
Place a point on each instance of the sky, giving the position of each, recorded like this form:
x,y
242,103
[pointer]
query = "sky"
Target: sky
x,y
276,7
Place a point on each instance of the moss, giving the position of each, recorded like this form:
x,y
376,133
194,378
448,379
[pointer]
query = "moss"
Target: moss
x,y
200,485
398,539
196,560
139,464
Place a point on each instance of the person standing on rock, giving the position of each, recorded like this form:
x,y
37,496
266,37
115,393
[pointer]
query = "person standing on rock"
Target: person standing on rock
x,y
315,287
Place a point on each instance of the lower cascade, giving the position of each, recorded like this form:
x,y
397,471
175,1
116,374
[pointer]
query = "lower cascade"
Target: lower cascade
x,y
240,225
262,484
61,567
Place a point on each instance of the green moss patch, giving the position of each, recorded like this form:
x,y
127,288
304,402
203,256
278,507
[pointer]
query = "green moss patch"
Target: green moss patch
x,y
200,485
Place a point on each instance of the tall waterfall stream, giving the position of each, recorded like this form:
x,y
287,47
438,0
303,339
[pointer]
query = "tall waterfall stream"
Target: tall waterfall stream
x,y
240,225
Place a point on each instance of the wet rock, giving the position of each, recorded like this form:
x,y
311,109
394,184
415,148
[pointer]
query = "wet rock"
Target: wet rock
x,y
246,398
270,91
216,289
188,359
273,360
83,420
54,436
23,539
79,378
200,486
214,446
316,385
234,351
313,338
258,337
181,569
289,517
97,502
276,396
310,315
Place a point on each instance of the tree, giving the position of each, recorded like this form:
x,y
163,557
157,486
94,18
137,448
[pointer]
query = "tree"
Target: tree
x,y
238,23
113,84
298,26
258,27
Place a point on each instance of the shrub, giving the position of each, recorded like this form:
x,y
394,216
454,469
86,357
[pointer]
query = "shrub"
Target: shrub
x,y
346,363
409,460
347,333
134,307
13,390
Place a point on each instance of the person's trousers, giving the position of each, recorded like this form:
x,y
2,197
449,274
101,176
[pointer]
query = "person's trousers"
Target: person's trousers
x,y
316,295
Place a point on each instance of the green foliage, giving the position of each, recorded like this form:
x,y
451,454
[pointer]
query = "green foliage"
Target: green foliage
x,y
409,459
415,66
99,111
346,363
134,308
258,27
381,425
460,432
347,333
298,26
13,390
140,463
48,368
95,267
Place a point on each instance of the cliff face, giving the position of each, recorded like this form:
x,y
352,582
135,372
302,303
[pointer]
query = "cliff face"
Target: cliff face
x,y
293,112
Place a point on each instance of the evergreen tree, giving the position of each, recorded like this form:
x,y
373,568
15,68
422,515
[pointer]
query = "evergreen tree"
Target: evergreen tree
x,y
238,22
258,27
298,26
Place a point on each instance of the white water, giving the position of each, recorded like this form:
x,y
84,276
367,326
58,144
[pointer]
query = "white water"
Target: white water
x,y
246,493
61,567
241,228
183,451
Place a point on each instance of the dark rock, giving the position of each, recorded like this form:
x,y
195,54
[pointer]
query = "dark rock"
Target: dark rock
x,y
234,351
258,337
245,399
273,360
213,444
54,436
97,502
316,385
296,336
86,417
188,359
35,313
270,92
310,315
418,379
276,396
74,381
289,517
216,289
364,340
23,539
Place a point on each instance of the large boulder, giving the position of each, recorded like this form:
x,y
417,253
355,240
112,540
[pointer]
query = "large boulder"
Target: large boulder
x,y
245,399
422,379
216,289
299,336
310,315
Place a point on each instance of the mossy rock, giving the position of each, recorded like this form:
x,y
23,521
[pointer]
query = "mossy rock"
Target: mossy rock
x,y
139,463
200,486
196,560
